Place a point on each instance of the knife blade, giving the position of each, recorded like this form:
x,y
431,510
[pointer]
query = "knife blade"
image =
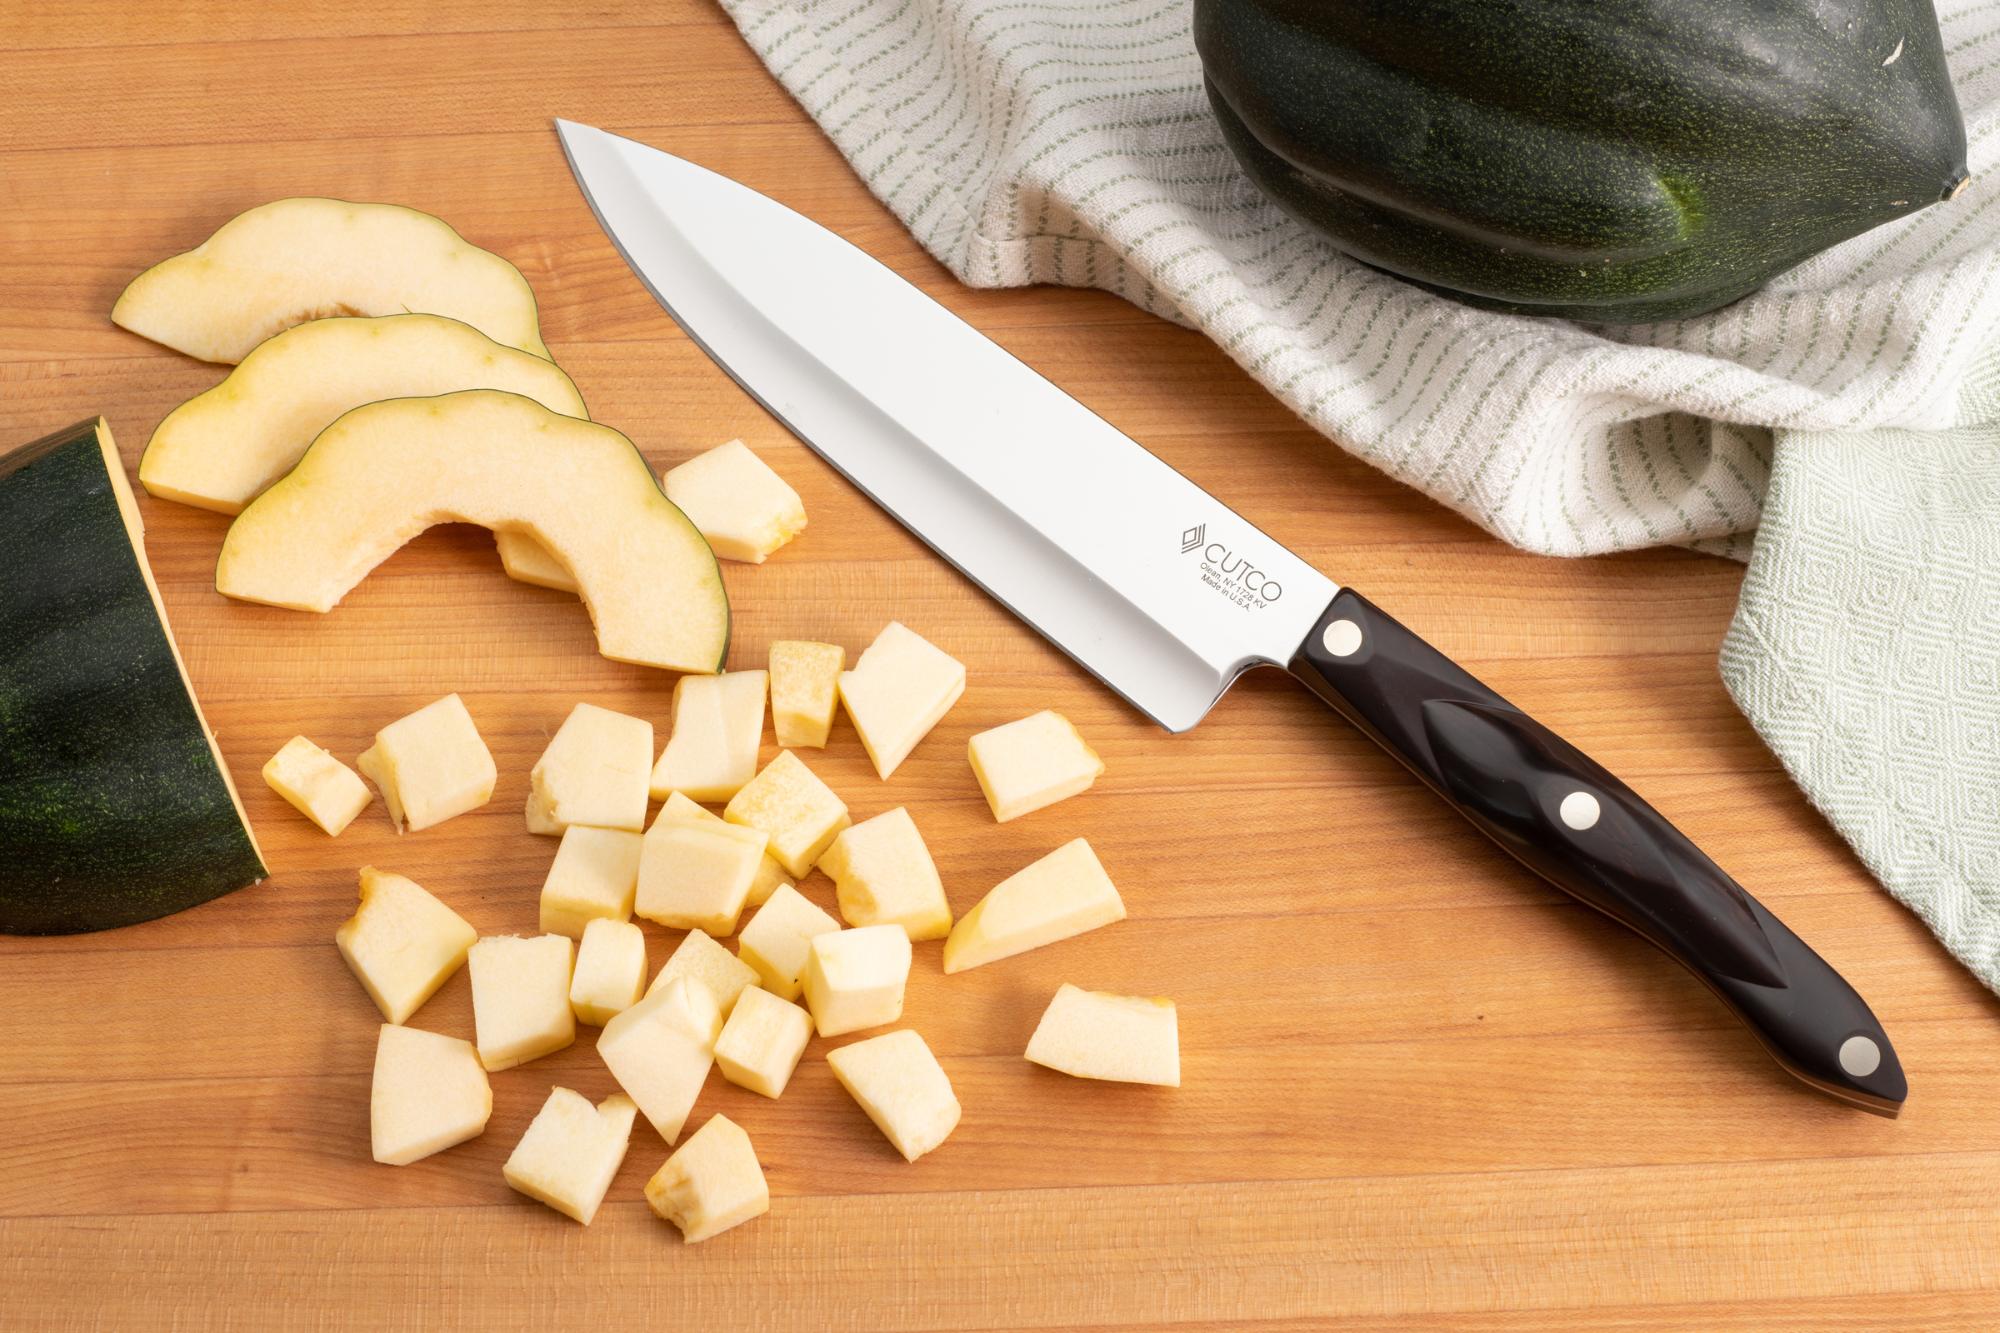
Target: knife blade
x,y
1163,592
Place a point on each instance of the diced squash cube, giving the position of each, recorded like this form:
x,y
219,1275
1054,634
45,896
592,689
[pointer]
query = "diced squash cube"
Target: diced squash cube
x,y
899,1083
854,978
520,997
701,960
697,876
718,725
660,1051
594,877
778,940
429,1092
594,771
1035,762
769,879
901,686
734,498
770,875
571,1152
320,787
376,769
430,765
401,943
610,971
883,874
528,561
678,809
1063,894
712,1182
799,812
761,1043
805,689
1117,1038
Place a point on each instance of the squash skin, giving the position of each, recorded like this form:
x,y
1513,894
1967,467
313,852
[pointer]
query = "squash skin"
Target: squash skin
x,y
1614,161
113,807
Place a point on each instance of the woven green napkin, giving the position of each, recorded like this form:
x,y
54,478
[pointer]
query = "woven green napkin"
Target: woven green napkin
x,y
1866,651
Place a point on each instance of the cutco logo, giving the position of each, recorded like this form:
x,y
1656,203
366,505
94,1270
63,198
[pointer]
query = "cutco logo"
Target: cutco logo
x,y
1229,573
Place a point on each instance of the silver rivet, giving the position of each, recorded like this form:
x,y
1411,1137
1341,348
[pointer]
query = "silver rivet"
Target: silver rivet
x,y
1342,638
1860,1056
1579,810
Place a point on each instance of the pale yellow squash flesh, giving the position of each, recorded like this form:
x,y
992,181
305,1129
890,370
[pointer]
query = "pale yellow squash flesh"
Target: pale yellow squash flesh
x,y
744,509
902,1087
528,561
294,260
571,1152
760,1045
221,449
429,1093
709,965
718,725
660,1051
882,872
1113,1038
712,1182
383,473
855,978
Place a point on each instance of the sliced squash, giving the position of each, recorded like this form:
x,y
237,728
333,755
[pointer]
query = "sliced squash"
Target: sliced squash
x,y
115,805
294,260
383,473
220,449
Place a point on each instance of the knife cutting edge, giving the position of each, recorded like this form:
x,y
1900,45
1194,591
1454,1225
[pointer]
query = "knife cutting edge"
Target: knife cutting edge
x,y
1163,592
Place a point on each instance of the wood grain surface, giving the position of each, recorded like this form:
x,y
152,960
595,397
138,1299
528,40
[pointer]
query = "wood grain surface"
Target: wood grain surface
x,y
1421,1090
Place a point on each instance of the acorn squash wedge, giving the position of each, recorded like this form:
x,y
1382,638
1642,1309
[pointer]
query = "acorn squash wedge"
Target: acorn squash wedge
x,y
223,448
115,805
1615,161
294,260
386,471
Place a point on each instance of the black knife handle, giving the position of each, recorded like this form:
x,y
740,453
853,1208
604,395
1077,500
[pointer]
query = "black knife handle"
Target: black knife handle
x,y
1561,814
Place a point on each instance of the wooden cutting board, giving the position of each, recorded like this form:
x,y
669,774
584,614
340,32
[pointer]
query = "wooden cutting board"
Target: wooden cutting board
x,y
1421,1090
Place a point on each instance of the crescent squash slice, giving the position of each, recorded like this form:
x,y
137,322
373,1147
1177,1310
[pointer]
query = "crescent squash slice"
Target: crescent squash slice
x,y
384,472
294,260
115,805
220,449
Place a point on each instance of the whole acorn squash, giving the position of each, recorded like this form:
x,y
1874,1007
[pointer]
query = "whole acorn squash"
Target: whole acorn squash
x,y
1607,160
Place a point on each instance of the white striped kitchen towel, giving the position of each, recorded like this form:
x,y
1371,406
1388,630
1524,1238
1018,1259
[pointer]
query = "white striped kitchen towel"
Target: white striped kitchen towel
x,y
1027,141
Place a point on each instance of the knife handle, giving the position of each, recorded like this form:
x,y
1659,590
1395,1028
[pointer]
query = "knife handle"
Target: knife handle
x,y
1564,816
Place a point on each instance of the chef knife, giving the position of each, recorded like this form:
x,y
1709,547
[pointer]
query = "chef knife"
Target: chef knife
x,y
1163,592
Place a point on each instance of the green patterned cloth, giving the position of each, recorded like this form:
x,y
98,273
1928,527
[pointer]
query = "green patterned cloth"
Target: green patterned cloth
x,y
1027,141
1866,651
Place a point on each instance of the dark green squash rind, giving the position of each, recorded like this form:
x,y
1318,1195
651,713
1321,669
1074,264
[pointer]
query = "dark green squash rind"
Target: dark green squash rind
x,y
113,809
1617,161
